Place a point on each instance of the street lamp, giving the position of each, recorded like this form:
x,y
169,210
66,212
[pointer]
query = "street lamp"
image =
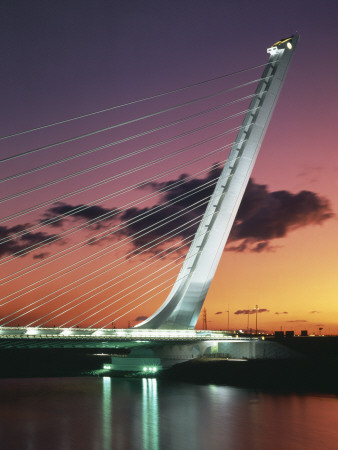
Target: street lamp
x,y
256,309
228,317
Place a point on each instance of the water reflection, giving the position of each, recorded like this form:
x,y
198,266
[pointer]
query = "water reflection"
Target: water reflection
x,y
30,432
107,422
150,419
123,426
150,414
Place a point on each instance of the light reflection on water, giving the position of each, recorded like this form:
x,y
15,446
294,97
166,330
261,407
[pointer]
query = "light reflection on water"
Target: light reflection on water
x,y
150,419
147,414
107,414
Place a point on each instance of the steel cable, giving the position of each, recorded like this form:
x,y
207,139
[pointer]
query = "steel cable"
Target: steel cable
x,y
133,102
128,122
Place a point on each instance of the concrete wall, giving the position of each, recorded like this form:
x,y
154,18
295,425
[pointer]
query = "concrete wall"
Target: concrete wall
x,y
256,350
166,355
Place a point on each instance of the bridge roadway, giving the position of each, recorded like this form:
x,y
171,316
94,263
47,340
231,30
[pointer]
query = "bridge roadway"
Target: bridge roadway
x,y
39,338
28,351
73,351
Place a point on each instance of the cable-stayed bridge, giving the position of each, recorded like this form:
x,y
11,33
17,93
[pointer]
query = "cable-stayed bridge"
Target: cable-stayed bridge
x,y
99,210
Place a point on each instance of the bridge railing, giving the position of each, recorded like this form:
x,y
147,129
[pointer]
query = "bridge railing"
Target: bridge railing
x,y
116,334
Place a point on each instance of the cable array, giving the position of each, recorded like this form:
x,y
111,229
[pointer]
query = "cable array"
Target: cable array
x,y
97,224
133,102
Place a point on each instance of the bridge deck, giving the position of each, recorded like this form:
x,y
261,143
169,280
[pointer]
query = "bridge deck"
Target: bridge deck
x,y
22,337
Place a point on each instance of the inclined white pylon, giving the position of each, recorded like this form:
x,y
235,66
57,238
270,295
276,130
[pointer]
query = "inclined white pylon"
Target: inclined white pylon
x,y
184,303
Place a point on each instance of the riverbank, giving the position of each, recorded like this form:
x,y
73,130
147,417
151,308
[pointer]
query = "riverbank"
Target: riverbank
x,y
299,375
309,375
16,363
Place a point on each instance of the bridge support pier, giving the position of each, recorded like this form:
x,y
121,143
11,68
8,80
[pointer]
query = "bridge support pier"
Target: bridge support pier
x,y
159,356
150,359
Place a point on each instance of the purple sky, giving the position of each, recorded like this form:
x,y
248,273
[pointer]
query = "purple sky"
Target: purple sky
x,y
65,58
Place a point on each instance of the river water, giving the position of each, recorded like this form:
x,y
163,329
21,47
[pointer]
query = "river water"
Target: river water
x,y
150,414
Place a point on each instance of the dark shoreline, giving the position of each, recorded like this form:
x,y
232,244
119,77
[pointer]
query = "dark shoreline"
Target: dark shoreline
x,y
298,375
15,363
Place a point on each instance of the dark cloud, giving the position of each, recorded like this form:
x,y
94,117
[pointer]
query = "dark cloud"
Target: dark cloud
x,y
40,255
250,245
284,312
251,311
20,245
310,173
264,216
148,225
141,318
218,312
314,312
93,213
296,321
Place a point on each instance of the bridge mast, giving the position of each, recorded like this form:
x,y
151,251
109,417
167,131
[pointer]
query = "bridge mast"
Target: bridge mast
x,y
184,303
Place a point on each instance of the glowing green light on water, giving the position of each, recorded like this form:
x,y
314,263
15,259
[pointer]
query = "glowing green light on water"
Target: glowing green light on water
x,y
150,419
107,414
